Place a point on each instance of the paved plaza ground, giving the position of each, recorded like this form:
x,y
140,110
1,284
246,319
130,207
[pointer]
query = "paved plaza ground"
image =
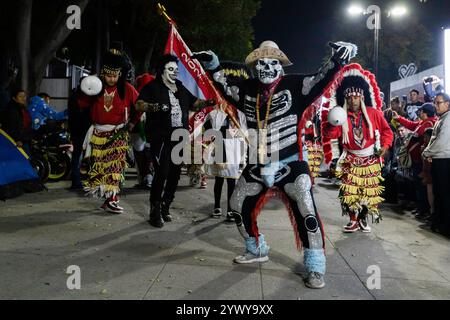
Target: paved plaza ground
x,y
122,257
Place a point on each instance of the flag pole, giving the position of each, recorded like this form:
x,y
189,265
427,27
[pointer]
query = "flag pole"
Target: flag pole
x,y
163,12
224,102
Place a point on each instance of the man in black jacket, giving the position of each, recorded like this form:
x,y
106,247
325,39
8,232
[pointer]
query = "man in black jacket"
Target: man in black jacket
x,y
167,103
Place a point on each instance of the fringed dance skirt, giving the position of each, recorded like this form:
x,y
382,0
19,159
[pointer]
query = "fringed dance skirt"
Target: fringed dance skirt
x,y
107,163
361,178
315,157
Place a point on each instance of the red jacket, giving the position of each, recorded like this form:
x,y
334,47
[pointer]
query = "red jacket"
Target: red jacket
x,y
378,122
114,113
418,127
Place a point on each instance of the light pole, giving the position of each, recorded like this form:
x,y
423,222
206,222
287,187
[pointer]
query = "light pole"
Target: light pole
x,y
376,42
374,22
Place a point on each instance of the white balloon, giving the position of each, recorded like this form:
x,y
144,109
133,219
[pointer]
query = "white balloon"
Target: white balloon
x,y
91,85
337,116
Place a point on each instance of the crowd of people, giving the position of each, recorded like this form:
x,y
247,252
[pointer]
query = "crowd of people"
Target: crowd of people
x,y
416,167
22,119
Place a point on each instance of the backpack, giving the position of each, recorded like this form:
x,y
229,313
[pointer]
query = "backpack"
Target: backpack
x,y
404,158
404,153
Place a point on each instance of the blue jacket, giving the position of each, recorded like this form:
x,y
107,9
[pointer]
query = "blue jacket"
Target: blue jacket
x,y
40,112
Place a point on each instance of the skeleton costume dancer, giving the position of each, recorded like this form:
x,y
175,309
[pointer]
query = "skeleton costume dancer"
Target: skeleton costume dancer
x,y
166,102
365,136
275,102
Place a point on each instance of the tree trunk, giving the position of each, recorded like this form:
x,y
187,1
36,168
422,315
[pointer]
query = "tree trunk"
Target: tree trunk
x,y
107,17
50,46
23,41
98,42
132,24
149,53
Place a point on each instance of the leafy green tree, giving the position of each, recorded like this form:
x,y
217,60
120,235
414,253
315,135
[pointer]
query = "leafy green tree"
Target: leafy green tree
x,y
40,32
221,25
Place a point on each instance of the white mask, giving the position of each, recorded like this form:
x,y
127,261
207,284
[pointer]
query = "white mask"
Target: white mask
x,y
269,70
170,72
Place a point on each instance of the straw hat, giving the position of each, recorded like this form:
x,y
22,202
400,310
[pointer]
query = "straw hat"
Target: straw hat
x,y
268,49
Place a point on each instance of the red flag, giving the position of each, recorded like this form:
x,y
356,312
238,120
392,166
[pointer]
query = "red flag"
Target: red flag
x,y
196,80
192,74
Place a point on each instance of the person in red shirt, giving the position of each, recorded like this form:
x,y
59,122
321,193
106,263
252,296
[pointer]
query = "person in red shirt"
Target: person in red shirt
x,y
106,144
415,144
428,117
365,136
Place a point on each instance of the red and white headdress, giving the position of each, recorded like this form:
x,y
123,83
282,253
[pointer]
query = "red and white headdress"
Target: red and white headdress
x,y
353,80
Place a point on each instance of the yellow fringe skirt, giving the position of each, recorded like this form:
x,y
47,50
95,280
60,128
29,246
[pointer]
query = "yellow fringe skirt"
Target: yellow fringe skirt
x,y
315,157
361,178
107,164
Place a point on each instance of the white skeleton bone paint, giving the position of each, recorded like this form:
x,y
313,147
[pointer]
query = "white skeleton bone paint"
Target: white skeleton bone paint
x,y
170,73
268,70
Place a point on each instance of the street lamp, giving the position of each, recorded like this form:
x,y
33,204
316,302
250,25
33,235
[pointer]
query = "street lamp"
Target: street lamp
x,y
447,60
375,14
398,11
355,10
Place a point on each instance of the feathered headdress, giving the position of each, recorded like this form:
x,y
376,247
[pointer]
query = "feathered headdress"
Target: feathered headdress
x,y
353,80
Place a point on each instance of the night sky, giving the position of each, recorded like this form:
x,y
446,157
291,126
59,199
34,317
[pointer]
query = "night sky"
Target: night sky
x,y
302,28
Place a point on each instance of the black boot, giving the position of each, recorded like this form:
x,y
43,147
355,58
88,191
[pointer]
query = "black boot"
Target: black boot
x,y
155,215
165,206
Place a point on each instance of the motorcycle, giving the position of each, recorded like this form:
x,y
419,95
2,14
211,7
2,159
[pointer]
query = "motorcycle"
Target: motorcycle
x,y
51,154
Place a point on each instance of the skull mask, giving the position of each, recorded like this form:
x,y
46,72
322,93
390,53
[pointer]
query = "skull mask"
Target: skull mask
x,y
269,70
170,72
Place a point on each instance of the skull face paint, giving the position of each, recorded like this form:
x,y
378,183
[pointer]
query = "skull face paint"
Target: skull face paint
x,y
268,70
170,73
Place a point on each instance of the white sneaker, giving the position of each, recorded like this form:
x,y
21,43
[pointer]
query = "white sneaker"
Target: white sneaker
x,y
351,227
115,204
217,213
112,207
249,257
364,226
315,280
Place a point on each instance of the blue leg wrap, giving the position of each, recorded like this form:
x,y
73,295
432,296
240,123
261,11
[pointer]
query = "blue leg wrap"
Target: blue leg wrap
x,y
315,261
260,249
